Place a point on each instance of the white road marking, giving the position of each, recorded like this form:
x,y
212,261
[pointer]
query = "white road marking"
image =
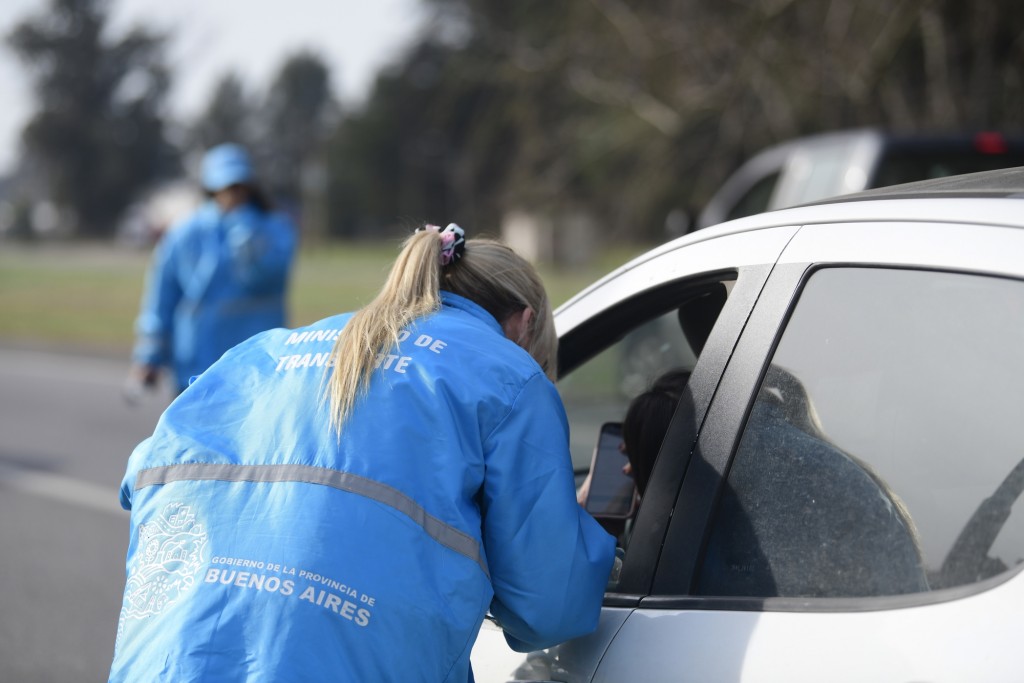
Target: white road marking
x,y
54,366
61,489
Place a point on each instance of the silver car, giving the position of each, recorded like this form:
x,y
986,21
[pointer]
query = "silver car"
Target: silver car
x,y
814,167
838,495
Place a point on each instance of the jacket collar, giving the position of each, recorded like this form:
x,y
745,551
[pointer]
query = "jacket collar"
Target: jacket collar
x,y
463,304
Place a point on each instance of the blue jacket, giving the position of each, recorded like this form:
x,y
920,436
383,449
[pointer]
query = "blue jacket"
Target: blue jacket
x,y
265,548
215,280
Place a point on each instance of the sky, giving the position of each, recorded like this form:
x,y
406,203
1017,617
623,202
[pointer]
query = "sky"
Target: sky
x,y
355,38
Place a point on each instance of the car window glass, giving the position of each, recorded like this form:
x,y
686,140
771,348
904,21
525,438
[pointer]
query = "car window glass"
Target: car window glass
x,y
816,173
883,453
754,200
635,381
600,390
906,165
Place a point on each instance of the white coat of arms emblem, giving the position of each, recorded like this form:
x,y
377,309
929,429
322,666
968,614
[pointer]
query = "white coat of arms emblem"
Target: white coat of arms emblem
x,y
170,553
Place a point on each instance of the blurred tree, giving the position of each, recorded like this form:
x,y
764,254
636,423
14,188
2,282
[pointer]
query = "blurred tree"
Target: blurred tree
x,y
386,163
229,116
99,128
294,123
630,110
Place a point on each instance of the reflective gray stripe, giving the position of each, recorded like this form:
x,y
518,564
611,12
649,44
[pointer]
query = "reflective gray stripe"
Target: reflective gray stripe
x,y
445,534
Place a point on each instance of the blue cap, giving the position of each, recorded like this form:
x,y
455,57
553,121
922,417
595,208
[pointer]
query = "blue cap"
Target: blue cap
x,y
226,165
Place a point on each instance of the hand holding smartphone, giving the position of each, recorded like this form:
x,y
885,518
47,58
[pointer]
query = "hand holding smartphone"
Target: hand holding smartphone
x,y
612,491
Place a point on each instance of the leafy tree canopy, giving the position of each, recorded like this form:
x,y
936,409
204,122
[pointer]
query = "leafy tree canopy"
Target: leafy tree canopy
x,y
632,109
98,132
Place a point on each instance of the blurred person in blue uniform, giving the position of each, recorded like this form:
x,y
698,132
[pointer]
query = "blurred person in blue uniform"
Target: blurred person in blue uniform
x,y
216,278
347,501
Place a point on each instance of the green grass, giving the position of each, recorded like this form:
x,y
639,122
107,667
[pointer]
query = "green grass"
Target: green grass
x,y
86,297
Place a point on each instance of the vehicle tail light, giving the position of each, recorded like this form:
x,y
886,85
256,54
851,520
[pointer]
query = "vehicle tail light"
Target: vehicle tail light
x,y
990,143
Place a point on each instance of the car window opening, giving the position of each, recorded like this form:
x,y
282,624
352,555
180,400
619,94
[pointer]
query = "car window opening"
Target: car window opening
x,y
650,363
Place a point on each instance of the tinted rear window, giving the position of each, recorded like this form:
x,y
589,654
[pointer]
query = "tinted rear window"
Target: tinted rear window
x,y
906,165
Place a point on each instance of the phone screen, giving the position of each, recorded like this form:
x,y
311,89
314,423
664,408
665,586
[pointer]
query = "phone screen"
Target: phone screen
x,y
611,489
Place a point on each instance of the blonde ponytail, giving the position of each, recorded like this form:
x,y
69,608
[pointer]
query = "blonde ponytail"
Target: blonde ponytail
x,y
410,291
489,273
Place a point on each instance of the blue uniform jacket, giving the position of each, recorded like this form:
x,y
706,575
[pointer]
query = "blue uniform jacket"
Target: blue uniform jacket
x,y
265,548
215,280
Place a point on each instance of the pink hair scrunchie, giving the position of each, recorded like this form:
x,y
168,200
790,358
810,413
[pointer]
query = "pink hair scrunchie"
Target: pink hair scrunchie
x,y
453,242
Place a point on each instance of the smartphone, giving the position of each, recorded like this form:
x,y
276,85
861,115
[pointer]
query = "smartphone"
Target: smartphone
x,y
612,491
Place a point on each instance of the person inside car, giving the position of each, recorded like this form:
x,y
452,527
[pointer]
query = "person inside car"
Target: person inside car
x,y
643,429
646,423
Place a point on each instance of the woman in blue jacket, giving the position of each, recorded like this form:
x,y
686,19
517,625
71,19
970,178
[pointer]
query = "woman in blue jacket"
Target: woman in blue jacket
x,y
346,501
217,277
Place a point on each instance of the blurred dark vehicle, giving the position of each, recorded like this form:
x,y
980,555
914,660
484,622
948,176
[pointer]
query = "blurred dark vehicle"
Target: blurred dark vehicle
x,y
831,164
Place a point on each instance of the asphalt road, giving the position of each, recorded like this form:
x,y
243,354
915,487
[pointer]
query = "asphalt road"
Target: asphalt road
x,y
65,434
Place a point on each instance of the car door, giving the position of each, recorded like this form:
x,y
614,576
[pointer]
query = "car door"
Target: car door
x,y
684,305
847,510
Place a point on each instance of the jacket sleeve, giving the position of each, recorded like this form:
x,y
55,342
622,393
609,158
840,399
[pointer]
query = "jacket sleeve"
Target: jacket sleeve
x,y
549,560
154,327
262,246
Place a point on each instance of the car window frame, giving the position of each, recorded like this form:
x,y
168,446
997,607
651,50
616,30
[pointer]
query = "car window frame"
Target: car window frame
x,y
603,331
634,294
716,442
650,522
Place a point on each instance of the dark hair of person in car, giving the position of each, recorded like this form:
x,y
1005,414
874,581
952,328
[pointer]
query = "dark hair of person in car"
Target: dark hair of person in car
x,y
646,422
